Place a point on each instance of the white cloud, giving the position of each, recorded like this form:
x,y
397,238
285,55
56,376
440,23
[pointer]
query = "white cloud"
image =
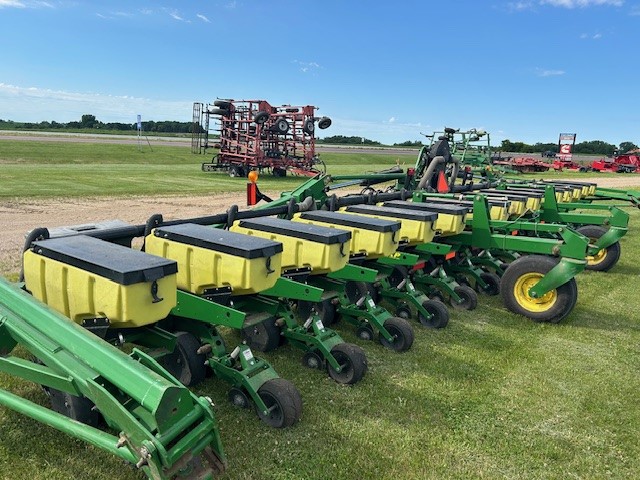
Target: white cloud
x,y
597,36
519,6
231,5
581,3
11,4
549,73
391,120
35,104
203,18
175,15
307,67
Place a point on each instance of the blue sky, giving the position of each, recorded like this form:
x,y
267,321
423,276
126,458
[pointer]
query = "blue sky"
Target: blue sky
x,y
523,70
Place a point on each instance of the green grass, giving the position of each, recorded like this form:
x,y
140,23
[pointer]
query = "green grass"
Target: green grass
x,y
493,395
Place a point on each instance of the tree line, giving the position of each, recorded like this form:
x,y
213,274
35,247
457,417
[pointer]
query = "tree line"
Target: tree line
x,y
89,122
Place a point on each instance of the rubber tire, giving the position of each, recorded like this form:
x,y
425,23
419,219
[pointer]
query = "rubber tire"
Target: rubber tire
x,y
325,310
437,296
493,283
312,360
365,332
286,397
281,126
219,111
184,363
225,105
439,312
567,294
355,361
469,296
403,332
236,171
279,172
613,251
80,409
309,127
264,337
324,122
403,310
261,117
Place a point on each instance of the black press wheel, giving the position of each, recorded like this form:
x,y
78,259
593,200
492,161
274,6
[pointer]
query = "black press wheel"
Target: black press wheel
x,y
185,363
264,336
325,310
439,314
401,332
353,361
468,296
493,283
403,311
77,408
523,274
324,122
606,258
236,171
283,400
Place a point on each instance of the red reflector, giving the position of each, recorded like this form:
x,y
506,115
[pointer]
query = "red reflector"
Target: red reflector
x,y
450,255
514,233
411,172
418,266
252,194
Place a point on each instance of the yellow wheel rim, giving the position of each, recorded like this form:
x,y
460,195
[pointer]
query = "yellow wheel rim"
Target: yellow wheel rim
x,y
521,293
598,257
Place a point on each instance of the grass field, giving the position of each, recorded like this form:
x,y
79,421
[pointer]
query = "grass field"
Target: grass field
x,y
493,395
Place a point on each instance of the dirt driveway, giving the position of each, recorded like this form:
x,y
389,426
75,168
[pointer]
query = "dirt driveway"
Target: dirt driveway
x,y
17,217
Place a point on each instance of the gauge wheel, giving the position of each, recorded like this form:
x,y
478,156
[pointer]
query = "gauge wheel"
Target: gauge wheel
x,y
523,274
468,296
493,283
353,363
185,363
401,332
283,400
604,259
439,314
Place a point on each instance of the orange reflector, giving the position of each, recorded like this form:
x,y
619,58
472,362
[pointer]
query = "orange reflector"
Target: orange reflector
x,y
514,233
450,255
253,176
443,187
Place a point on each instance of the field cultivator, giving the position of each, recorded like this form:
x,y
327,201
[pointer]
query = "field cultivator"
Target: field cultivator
x,y
624,163
253,135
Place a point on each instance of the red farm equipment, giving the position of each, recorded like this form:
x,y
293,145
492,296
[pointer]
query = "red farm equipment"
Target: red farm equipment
x,y
560,165
524,164
625,163
253,135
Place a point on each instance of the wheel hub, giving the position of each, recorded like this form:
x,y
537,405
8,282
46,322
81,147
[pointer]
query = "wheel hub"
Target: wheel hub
x,y
521,293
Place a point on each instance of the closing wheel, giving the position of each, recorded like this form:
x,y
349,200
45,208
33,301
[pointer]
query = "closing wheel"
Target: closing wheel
x,y
264,336
312,360
325,310
308,126
353,361
468,296
604,259
403,311
77,408
238,398
402,332
365,332
439,314
185,363
283,401
521,276
493,283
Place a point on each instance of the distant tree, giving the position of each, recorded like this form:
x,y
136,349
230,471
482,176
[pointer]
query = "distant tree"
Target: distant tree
x,y
342,140
88,121
626,146
409,143
596,147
